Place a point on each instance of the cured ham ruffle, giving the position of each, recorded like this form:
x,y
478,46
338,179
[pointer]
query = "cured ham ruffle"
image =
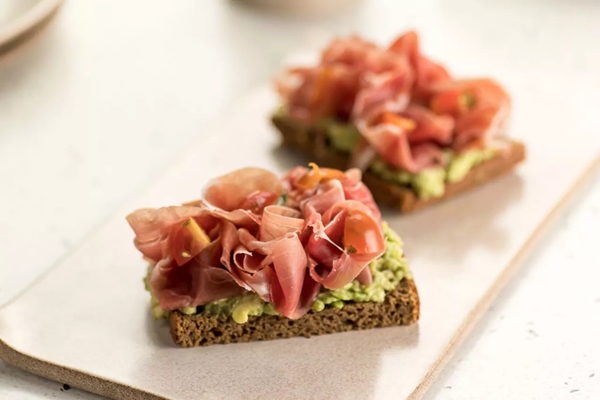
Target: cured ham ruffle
x,y
407,107
302,184
313,228
480,107
426,71
248,188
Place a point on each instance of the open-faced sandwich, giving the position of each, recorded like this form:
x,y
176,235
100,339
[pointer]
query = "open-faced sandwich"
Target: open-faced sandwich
x,y
418,134
263,257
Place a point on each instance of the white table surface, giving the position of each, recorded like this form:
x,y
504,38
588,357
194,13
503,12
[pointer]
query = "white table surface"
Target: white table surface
x,y
91,111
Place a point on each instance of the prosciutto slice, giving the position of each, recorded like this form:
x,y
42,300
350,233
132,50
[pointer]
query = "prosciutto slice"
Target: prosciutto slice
x,y
385,79
327,191
429,126
471,113
355,189
354,77
288,262
326,234
406,106
381,108
385,87
275,265
344,241
392,144
198,281
192,279
481,108
278,221
345,196
426,72
318,92
153,226
247,188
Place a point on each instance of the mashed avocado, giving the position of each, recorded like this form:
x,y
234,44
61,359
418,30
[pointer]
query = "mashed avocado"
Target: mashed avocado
x,y
460,165
387,271
239,308
343,136
428,183
431,182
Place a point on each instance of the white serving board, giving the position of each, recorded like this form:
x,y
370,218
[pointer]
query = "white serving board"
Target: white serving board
x,y
87,321
20,20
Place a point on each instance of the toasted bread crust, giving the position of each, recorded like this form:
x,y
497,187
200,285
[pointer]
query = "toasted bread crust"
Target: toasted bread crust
x,y
401,307
402,198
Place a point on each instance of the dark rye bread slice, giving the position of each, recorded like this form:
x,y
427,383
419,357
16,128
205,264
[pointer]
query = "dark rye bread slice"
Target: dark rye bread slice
x,y
400,307
405,199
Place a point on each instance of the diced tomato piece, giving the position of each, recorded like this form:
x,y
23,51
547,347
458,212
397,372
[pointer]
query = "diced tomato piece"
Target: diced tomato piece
x,y
187,241
317,175
452,102
398,120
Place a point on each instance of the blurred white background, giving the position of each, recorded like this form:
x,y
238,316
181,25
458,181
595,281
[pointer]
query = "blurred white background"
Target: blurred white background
x,y
94,108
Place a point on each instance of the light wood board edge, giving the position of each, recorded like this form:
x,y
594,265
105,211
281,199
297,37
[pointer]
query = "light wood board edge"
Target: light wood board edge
x,y
28,25
114,390
507,273
72,377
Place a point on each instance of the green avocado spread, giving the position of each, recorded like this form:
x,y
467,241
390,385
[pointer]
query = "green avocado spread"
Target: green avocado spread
x,y
387,271
459,166
429,183
343,137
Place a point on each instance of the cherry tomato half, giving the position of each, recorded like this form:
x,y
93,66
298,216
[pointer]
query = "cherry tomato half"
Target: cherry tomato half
x,y
362,234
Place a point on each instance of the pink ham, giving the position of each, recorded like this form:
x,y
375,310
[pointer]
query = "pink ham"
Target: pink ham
x,y
153,226
199,281
277,221
426,72
385,87
358,76
284,254
411,148
325,248
201,278
274,269
355,189
277,261
318,92
430,127
348,186
230,191
350,51
289,266
478,123
340,258
354,77
389,78
392,145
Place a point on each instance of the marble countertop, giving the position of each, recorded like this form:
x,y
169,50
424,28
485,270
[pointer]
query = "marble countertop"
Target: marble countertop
x,y
92,110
